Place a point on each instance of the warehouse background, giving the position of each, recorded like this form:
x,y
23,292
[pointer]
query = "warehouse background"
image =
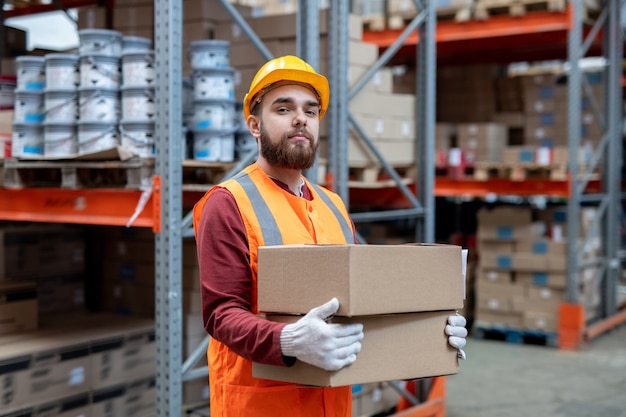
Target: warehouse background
x,y
487,116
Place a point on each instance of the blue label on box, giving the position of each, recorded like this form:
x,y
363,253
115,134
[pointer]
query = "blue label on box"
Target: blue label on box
x,y
526,155
504,232
504,262
540,278
540,247
546,92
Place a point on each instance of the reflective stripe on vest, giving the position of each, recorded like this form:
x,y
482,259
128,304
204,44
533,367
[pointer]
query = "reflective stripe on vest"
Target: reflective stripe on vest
x,y
269,228
345,227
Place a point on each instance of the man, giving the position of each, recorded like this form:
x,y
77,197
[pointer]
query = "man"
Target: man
x,y
271,203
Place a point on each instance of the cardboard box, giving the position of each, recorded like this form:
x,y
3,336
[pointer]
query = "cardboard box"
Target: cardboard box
x,y
18,306
131,398
395,346
74,406
367,279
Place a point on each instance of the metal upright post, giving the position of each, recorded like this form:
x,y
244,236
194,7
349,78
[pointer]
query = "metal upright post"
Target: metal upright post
x,y
425,127
613,52
338,110
308,48
169,141
574,137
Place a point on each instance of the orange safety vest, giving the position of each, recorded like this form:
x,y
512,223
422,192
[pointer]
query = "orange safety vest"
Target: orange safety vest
x,y
272,216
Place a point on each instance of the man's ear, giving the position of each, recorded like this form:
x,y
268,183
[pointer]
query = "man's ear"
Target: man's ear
x,y
254,126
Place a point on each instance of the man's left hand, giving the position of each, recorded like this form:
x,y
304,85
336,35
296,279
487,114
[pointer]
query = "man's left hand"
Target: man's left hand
x,y
457,333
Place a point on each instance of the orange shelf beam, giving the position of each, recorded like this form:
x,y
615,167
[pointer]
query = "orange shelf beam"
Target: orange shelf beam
x,y
113,207
445,186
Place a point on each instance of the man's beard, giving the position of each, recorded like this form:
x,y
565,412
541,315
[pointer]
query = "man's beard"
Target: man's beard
x,y
285,154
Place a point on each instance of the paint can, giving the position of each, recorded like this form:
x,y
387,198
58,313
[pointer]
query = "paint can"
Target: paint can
x,y
138,69
138,103
100,41
98,105
97,136
99,71
27,140
30,73
28,107
213,114
135,44
214,83
60,139
60,106
62,71
209,53
138,137
214,145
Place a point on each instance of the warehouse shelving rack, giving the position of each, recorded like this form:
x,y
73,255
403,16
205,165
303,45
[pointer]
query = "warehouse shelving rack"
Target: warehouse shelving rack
x,y
558,33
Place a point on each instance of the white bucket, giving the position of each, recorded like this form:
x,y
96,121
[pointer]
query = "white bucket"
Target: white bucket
x,y
99,71
60,139
138,137
31,73
28,107
8,84
95,137
135,44
244,143
100,41
214,145
138,69
62,72
98,105
138,103
209,53
213,114
60,106
27,140
214,83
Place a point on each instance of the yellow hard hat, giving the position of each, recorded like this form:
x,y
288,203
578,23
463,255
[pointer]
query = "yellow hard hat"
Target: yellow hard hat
x,y
284,69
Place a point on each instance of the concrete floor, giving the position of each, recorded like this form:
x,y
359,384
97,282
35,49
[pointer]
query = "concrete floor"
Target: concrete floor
x,y
501,379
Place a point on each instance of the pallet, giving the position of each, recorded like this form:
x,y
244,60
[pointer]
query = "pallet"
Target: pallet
x,y
484,9
375,174
516,336
484,171
202,175
130,174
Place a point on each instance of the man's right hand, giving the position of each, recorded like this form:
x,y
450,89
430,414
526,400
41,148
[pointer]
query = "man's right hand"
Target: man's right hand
x,y
329,346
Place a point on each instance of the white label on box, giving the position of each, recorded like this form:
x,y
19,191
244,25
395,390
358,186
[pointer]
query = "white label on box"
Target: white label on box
x,y
540,133
539,106
557,233
493,303
76,376
541,323
492,275
464,269
377,79
587,119
237,77
236,30
406,129
472,129
380,126
472,144
377,395
546,293
543,155
454,157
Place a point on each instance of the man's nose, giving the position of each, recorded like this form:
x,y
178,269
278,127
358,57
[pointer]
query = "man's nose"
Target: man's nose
x,y
299,118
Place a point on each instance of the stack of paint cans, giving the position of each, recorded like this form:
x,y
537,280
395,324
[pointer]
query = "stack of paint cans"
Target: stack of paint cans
x,y
61,105
28,109
245,143
138,103
98,89
213,119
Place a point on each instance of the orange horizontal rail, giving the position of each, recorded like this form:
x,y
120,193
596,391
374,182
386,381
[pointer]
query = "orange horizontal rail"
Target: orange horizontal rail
x,y
112,207
605,325
496,26
445,186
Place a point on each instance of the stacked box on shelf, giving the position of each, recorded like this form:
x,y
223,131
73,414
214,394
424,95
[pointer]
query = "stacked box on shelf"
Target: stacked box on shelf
x,y
50,256
523,268
482,141
546,108
466,94
390,289
70,358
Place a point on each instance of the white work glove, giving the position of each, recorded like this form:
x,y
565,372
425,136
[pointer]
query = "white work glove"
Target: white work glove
x,y
457,333
329,346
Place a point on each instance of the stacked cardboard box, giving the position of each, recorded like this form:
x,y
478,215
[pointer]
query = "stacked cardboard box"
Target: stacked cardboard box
x,y
52,257
64,367
545,110
402,294
522,271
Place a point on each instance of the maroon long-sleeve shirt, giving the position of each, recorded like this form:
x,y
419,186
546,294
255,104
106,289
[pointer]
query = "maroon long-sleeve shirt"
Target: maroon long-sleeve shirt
x,y
226,281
